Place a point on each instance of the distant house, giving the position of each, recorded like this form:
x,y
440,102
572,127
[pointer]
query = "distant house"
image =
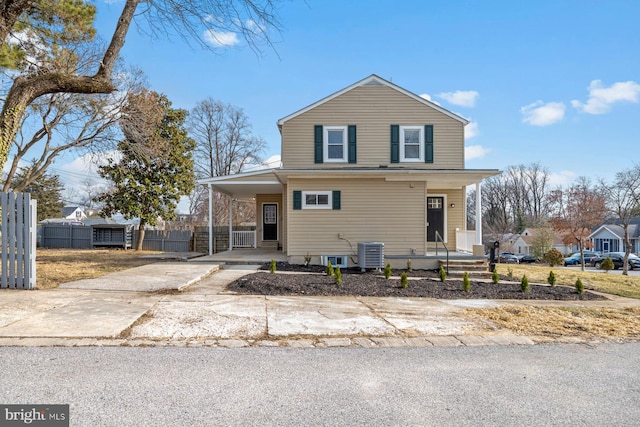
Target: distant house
x,y
561,241
610,237
73,213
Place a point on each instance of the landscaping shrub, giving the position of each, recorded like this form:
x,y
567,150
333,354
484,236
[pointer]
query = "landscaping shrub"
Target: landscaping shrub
x,y
272,266
409,264
606,264
442,274
307,259
524,284
338,276
466,284
554,257
329,269
495,277
387,271
510,273
579,286
552,278
404,281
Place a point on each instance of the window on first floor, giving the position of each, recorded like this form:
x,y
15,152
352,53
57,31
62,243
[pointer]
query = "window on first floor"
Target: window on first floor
x,y
316,200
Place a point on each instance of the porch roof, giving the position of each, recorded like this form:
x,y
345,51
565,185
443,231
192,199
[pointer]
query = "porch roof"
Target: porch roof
x,y
245,185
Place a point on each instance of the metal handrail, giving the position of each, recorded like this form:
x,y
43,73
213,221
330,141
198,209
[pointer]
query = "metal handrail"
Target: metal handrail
x,y
439,238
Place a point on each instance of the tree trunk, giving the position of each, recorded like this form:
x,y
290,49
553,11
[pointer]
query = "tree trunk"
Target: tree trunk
x,y
26,89
581,254
141,230
627,251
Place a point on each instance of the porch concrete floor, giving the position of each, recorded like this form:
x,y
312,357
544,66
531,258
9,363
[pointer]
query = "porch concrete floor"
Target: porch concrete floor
x,y
243,256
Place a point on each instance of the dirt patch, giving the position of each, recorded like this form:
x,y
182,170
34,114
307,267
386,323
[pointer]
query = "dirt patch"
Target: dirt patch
x,y
373,284
557,322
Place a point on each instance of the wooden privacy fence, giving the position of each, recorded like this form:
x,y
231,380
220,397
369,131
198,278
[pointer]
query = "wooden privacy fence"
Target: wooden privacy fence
x,y
166,241
19,219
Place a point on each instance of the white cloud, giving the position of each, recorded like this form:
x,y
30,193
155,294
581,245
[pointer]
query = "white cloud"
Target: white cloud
x,y
463,98
601,98
272,162
475,152
428,98
471,130
541,114
561,178
221,38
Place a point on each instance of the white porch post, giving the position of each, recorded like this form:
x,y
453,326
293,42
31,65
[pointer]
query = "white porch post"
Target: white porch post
x,y
478,213
210,219
230,223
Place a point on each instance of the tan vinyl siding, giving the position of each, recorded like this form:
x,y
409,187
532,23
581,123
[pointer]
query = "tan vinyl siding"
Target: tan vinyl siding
x,y
373,109
268,198
372,210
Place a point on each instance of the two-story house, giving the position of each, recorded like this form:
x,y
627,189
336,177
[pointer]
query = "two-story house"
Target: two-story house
x,y
372,162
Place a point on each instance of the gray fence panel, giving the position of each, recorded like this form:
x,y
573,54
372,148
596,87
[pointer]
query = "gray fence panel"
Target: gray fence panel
x,y
166,241
66,236
18,241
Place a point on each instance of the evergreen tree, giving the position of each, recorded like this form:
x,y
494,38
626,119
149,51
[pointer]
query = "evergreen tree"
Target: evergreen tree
x,y
47,190
155,168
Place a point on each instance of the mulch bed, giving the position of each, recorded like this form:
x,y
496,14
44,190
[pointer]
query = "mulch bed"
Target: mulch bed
x,y
310,282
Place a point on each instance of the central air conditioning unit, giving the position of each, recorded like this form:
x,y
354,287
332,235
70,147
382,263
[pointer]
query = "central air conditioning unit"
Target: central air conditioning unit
x,y
370,255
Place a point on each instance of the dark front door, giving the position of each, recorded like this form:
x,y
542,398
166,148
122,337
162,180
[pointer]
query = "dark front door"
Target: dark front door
x,y
435,218
270,222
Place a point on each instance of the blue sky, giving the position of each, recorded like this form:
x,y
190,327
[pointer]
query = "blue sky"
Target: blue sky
x,y
551,81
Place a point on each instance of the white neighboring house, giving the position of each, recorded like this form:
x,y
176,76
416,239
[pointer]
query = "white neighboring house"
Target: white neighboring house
x,y
73,213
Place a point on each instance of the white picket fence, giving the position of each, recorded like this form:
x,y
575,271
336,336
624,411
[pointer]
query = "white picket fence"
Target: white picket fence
x,y
19,233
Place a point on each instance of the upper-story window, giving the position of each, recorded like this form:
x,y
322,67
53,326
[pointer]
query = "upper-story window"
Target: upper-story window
x,y
411,143
335,143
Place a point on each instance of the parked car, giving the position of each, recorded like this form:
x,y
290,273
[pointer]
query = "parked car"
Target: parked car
x,y
526,259
575,258
618,260
508,258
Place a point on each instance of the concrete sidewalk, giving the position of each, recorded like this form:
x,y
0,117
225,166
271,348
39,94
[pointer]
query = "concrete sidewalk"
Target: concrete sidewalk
x,y
186,304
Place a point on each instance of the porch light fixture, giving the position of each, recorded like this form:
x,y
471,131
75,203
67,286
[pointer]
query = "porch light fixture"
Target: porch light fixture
x,y
452,205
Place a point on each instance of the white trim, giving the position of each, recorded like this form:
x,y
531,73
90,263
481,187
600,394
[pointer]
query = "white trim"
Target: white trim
x,y
367,81
277,221
420,158
345,261
325,144
317,193
445,207
236,175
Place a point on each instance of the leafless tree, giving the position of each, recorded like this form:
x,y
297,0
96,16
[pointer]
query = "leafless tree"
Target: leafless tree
x,y
197,19
577,210
623,202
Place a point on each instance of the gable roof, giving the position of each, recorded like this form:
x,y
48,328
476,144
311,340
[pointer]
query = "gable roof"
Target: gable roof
x,y
68,210
374,80
617,230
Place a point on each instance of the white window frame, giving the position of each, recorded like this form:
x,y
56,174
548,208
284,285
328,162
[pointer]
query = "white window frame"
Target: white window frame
x,y
420,144
325,144
329,195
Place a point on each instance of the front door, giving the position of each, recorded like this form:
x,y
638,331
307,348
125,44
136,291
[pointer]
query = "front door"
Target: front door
x,y
270,222
605,246
435,218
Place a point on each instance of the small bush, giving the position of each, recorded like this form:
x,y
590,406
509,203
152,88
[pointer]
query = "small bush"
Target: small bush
x,y
307,259
510,273
579,286
495,277
442,274
524,284
409,264
404,281
552,278
387,271
338,276
606,264
466,284
553,257
329,269
272,266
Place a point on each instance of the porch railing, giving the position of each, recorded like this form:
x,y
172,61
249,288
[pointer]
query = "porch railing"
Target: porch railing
x,y
244,239
465,240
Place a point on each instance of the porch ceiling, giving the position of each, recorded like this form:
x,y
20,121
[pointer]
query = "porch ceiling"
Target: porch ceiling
x,y
247,189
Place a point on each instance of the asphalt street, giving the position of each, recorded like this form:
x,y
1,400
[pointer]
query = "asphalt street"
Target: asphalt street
x,y
590,385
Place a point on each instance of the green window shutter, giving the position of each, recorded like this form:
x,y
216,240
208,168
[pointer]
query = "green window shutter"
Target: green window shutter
x,y
336,200
317,144
395,144
297,200
428,144
352,144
